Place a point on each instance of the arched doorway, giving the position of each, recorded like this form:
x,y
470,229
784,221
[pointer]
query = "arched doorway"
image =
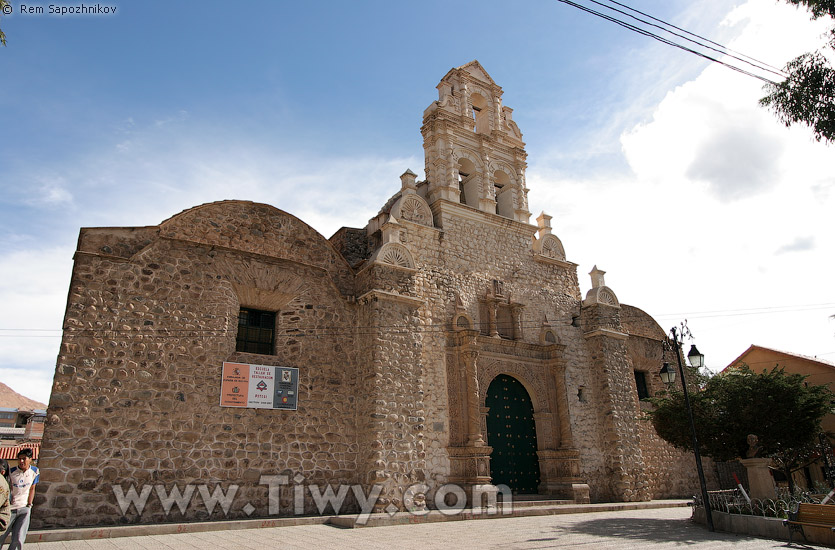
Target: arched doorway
x,y
511,432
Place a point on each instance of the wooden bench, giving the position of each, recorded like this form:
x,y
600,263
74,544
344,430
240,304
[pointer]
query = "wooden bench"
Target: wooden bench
x,y
811,515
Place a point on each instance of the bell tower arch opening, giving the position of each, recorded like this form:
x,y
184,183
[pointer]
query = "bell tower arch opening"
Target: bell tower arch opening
x,y
468,183
481,113
504,194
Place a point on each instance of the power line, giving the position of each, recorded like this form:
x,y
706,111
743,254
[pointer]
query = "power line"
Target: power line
x,y
727,49
724,50
799,306
664,40
825,101
753,311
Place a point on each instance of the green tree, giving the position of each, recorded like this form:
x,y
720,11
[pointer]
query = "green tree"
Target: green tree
x,y
780,409
4,5
807,96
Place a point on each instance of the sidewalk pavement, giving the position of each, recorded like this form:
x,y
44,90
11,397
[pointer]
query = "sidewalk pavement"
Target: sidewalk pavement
x,y
653,529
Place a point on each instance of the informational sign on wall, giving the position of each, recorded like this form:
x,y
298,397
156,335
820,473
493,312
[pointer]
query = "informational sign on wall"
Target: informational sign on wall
x,y
259,386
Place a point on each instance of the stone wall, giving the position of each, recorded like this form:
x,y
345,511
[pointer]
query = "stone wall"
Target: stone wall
x,y
669,472
137,387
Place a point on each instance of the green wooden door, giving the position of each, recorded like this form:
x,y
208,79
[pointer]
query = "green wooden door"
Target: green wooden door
x,y
512,434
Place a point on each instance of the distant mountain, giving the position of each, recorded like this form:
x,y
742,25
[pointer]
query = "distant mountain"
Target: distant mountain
x,y
13,400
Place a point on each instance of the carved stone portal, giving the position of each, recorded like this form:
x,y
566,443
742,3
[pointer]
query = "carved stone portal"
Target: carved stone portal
x,y
473,361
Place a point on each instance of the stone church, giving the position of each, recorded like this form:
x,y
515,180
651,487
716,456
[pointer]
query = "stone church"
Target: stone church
x,y
447,342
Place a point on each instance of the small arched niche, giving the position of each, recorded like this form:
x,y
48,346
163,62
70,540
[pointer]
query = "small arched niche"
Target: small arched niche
x,y
547,337
462,321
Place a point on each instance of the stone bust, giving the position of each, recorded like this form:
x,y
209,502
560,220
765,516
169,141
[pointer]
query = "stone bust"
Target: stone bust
x,y
753,448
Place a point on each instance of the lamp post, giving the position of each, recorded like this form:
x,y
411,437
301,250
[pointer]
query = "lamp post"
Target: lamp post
x,y
668,376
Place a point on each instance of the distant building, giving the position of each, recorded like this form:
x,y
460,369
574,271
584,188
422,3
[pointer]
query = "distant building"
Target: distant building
x,y
20,428
11,435
8,417
447,342
30,422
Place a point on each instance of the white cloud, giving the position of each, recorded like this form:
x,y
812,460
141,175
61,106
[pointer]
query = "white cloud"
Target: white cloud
x,y
800,244
54,194
718,188
711,130
48,191
33,290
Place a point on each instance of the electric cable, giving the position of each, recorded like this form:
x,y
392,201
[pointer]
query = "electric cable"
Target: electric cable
x,y
724,51
663,40
757,61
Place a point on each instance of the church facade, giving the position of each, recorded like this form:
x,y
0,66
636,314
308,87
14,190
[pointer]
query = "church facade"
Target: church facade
x,y
447,342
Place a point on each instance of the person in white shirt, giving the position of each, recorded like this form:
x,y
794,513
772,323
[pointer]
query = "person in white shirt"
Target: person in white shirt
x,y
23,481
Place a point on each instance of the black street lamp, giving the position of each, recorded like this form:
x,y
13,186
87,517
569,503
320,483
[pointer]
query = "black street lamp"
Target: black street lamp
x,y
696,359
668,376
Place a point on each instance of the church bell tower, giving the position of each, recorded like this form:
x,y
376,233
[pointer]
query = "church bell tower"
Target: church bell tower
x,y
474,151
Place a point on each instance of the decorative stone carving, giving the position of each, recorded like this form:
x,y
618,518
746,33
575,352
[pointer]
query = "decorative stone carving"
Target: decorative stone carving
x,y
395,254
414,209
470,465
606,296
600,293
552,247
548,247
474,436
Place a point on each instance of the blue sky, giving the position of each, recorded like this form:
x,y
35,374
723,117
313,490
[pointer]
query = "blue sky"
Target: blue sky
x,y
316,108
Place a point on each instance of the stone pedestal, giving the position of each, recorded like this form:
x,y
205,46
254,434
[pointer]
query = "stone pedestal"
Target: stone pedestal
x,y
559,471
470,468
760,481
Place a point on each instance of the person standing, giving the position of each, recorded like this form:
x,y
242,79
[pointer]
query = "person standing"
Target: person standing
x,y
23,481
5,511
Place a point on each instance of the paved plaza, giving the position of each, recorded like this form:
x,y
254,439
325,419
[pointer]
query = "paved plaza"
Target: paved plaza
x,y
657,529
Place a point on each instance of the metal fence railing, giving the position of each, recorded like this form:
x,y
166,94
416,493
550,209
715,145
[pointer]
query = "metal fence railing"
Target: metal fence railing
x,y
733,501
